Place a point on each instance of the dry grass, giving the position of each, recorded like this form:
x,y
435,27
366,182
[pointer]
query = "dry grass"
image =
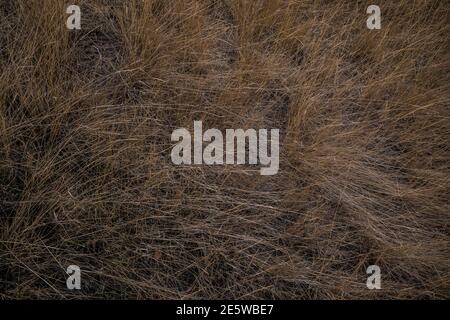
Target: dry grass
x,y
85,170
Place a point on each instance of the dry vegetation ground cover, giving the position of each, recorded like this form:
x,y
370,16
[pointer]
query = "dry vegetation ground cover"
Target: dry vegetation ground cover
x,y
85,170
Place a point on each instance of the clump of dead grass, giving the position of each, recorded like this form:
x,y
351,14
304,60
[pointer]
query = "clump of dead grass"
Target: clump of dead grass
x,y
86,176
